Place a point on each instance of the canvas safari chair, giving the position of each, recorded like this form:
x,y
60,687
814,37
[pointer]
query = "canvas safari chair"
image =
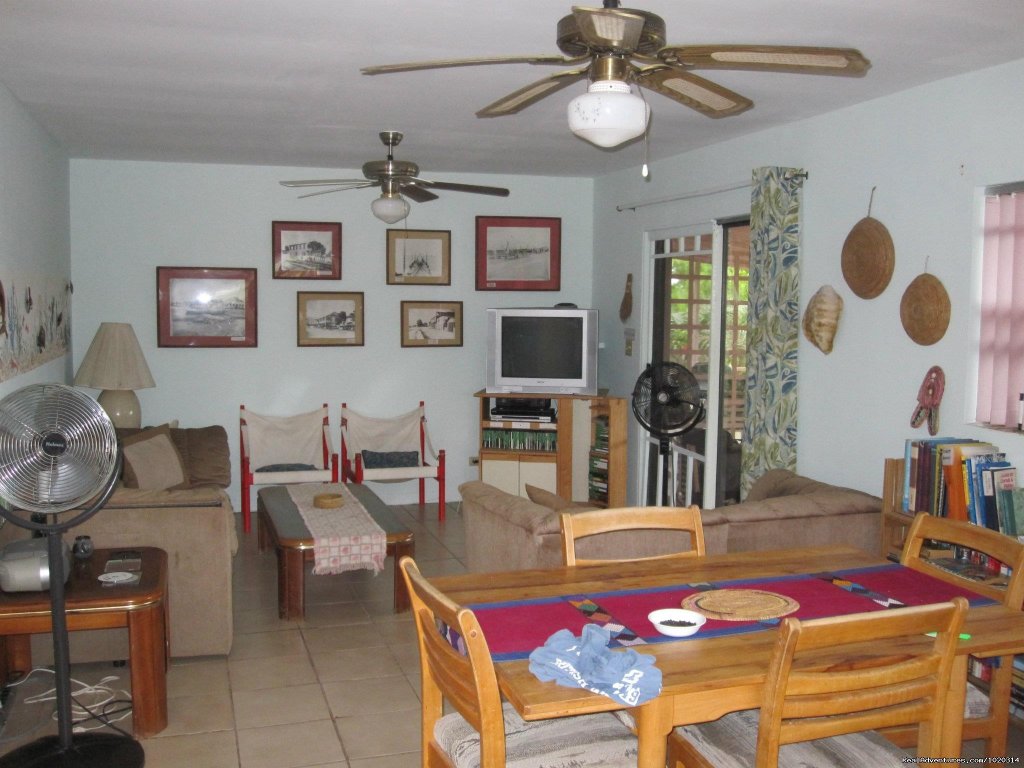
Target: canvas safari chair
x,y
390,450
281,450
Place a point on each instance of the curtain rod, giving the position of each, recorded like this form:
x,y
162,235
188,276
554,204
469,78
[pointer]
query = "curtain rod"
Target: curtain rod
x,y
697,193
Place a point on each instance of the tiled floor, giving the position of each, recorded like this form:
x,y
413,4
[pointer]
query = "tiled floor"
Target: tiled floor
x,y
339,689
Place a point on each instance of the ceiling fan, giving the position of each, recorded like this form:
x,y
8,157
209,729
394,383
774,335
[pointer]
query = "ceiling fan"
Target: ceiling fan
x,y
395,178
619,47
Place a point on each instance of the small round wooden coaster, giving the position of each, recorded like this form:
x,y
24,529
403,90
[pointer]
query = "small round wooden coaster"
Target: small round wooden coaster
x,y
328,500
740,604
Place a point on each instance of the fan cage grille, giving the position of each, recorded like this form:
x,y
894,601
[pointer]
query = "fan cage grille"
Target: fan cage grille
x,y
58,448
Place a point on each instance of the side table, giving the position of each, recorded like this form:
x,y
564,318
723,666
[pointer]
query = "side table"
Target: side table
x,y
90,604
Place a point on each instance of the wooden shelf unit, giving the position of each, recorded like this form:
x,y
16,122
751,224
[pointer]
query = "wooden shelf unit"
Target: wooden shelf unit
x,y
514,453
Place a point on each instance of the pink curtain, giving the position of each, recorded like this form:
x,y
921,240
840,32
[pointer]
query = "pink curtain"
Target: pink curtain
x,y
1001,358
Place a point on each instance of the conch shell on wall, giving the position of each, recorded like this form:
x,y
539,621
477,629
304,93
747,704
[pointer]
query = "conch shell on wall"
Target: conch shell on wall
x,y
821,318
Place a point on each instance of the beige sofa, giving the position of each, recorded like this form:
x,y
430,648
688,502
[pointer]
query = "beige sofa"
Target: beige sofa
x,y
194,524
781,510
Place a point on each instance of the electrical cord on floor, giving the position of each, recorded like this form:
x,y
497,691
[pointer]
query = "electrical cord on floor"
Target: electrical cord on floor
x,y
111,705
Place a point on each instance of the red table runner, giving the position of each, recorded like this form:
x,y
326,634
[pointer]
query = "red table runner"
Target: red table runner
x,y
514,629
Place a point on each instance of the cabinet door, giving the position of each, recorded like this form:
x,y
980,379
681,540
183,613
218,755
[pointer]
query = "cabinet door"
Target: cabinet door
x,y
501,473
539,472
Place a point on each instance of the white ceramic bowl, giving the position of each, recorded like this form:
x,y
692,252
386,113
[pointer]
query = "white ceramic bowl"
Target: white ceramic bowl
x,y
676,622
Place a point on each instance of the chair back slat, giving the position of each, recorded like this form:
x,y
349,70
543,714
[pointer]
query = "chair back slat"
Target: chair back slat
x,y
891,675
595,522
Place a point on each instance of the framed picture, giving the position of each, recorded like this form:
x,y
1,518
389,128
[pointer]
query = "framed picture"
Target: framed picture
x,y
306,250
517,253
431,323
205,307
419,257
329,319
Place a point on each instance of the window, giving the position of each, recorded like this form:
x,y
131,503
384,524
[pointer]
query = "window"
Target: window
x,y
1001,340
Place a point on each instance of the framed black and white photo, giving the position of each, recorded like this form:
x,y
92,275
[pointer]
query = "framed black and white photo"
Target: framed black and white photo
x,y
306,250
431,323
419,257
329,319
518,253
205,307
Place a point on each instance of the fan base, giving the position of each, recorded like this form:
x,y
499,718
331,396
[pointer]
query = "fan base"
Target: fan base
x,y
88,750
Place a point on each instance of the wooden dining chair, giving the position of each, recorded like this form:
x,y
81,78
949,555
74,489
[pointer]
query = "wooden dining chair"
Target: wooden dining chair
x,y
822,709
593,522
986,716
456,667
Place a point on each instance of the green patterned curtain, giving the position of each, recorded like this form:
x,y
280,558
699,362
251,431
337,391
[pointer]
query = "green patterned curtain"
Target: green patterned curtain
x,y
773,329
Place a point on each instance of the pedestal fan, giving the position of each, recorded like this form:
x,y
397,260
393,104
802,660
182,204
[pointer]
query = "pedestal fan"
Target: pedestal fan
x,y
59,454
667,402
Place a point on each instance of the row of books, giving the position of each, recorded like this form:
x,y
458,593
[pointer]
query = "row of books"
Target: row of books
x,y
519,440
963,479
1017,688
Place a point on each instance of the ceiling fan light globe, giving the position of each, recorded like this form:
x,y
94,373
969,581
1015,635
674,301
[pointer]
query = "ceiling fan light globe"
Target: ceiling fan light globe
x,y
608,114
390,208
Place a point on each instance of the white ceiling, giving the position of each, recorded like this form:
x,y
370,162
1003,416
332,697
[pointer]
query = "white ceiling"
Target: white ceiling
x,y
277,82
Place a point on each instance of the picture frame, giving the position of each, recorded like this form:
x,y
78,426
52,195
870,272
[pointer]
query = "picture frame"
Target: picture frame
x,y
306,250
518,253
419,257
206,307
329,319
431,323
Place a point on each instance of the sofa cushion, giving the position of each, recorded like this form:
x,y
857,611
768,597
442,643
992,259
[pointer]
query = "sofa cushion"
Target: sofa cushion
x,y
152,461
782,482
204,452
554,502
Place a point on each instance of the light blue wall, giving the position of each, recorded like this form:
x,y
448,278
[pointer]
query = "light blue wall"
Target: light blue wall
x,y
928,151
130,217
34,236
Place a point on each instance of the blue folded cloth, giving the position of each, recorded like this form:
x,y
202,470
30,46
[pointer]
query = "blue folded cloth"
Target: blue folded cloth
x,y
587,662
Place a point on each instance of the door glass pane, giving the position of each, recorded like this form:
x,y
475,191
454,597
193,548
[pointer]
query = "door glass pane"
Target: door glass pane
x,y
682,334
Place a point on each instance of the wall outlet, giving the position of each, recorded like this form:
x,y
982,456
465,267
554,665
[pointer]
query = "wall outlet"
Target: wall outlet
x,y
474,461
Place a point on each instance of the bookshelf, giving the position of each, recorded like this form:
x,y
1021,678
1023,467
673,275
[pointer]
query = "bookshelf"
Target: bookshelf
x,y
580,454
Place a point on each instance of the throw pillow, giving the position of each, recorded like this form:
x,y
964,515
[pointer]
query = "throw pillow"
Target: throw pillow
x,y
390,459
547,498
152,462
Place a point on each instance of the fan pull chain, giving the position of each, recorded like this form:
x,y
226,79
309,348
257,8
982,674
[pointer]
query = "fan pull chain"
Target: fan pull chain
x,y
645,171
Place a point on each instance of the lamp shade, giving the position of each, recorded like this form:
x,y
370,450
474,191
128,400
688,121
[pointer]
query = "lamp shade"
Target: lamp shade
x,y
608,114
114,360
390,208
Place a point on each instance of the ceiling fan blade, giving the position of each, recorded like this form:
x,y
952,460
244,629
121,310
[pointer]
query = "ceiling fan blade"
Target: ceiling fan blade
x,y
474,188
706,97
325,182
534,92
336,189
413,191
609,29
769,58
413,66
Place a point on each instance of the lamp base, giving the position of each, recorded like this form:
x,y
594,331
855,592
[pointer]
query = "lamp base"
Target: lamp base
x,y
122,406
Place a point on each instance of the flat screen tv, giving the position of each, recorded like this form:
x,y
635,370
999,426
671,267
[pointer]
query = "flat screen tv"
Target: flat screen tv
x,y
542,350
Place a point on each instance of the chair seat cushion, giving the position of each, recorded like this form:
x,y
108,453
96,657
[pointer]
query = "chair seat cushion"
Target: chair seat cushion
x,y
389,459
568,742
731,742
287,468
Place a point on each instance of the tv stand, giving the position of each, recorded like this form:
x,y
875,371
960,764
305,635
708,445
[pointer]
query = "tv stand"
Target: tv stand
x,y
574,446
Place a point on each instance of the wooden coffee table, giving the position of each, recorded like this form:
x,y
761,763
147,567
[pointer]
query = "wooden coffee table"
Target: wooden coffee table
x,y
141,607
280,524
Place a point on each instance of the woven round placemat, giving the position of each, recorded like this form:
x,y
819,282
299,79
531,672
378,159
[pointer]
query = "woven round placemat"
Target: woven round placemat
x,y
868,258
924,309
740,604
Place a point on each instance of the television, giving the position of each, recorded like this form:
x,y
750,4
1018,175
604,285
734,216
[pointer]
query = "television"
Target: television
x,y
542,350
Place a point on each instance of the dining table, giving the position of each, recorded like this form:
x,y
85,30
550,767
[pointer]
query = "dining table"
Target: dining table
x,y
722,668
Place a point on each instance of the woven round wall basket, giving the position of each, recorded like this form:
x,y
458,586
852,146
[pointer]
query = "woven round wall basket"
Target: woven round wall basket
x,y
924,309
868,258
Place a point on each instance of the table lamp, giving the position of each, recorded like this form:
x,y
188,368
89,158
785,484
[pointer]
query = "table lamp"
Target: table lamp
x,y
115,364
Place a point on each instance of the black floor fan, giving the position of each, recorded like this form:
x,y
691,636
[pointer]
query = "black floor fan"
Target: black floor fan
x,y
59,454
667,402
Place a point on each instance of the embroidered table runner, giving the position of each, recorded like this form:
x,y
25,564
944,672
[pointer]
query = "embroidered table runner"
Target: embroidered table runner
x,y
345,538
515,628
